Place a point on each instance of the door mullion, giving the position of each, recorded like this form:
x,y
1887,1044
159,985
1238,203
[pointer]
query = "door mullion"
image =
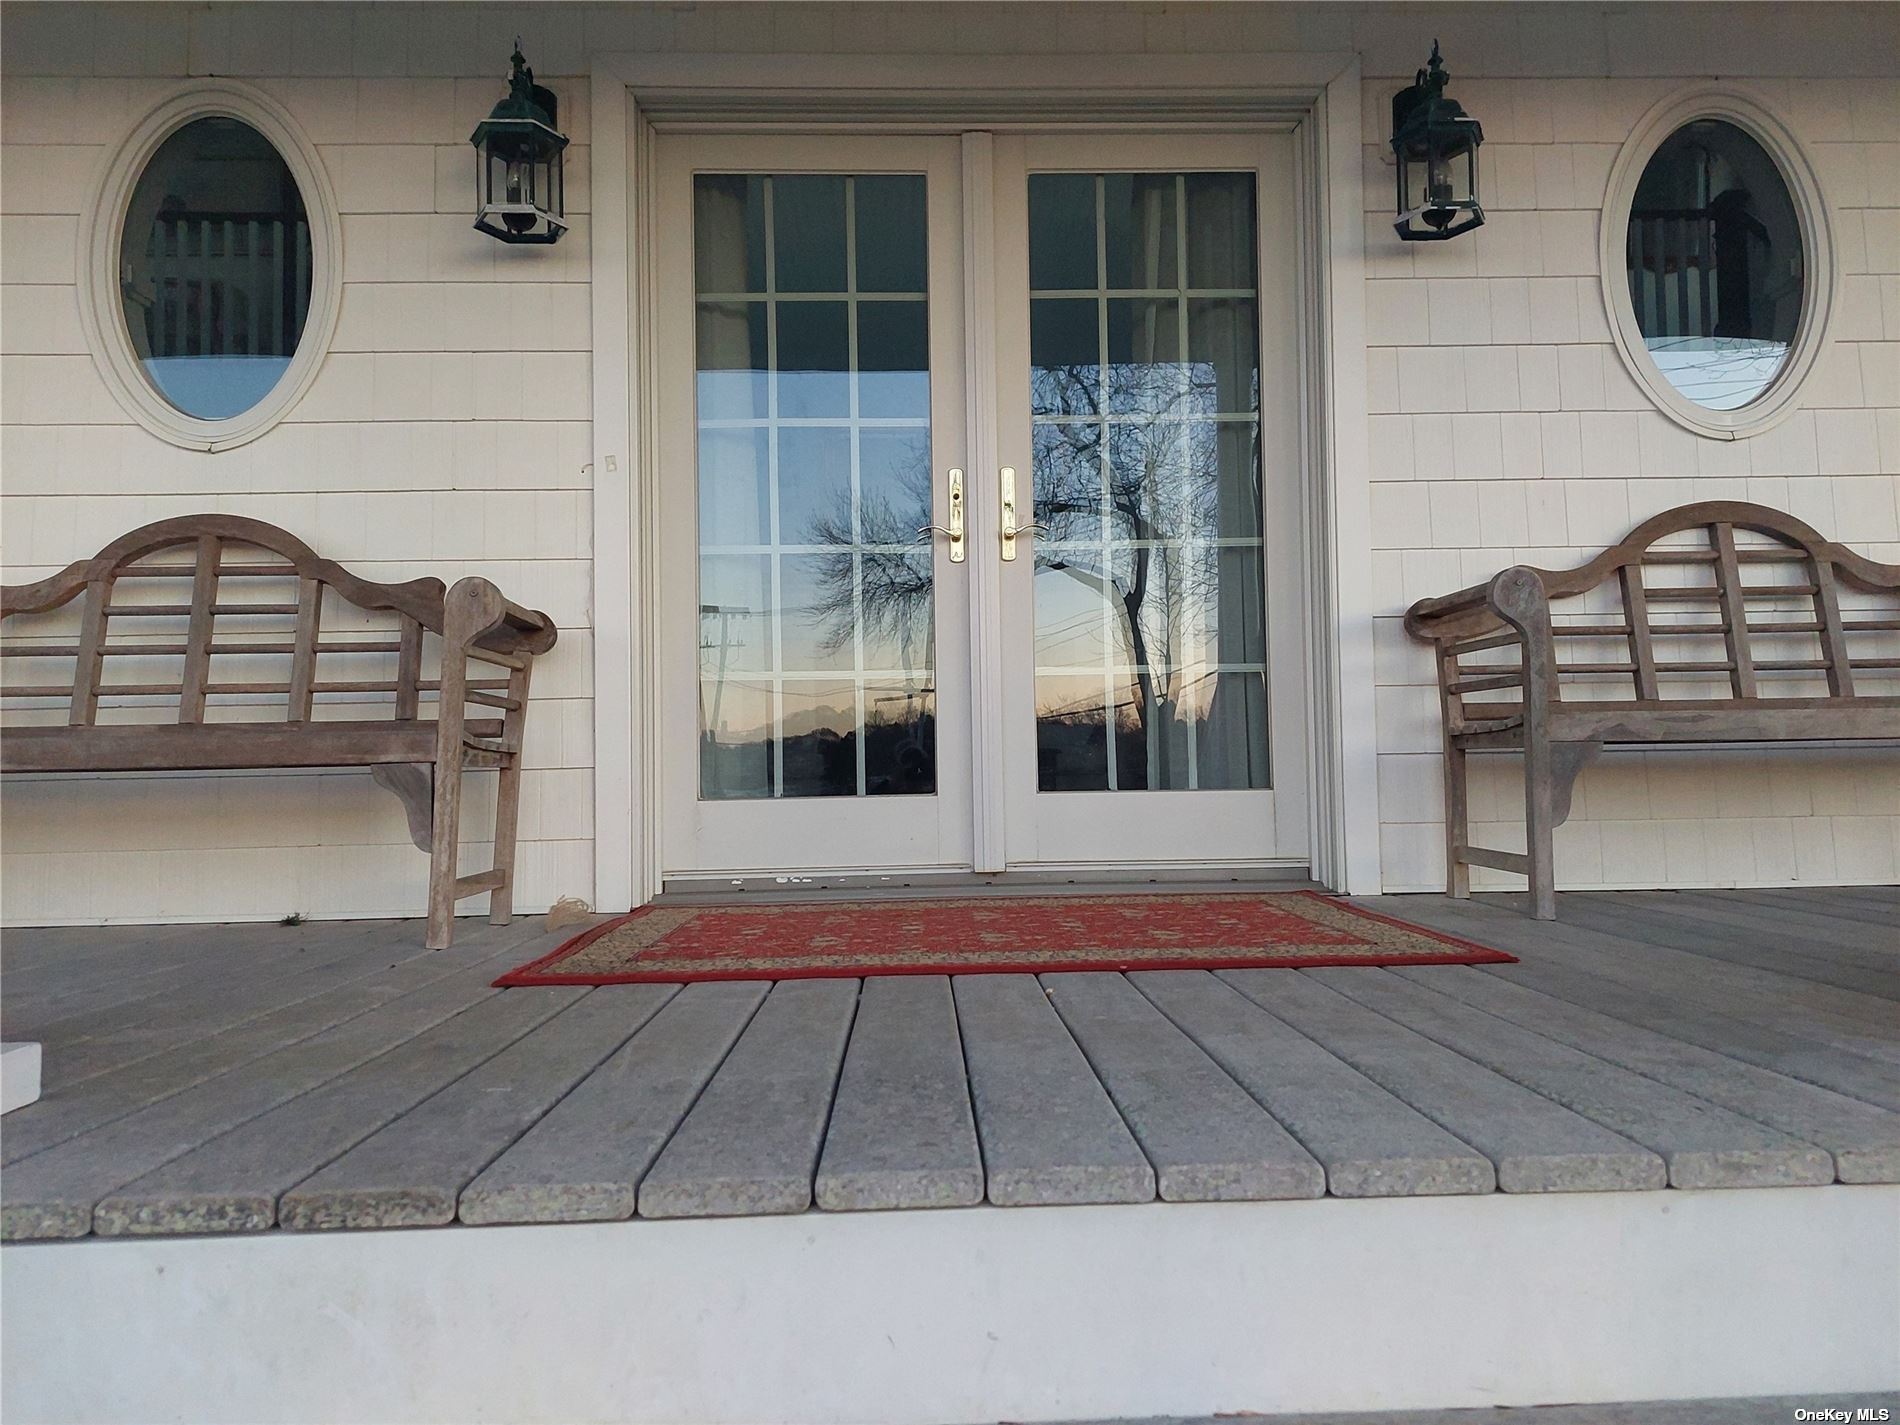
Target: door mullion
x,y
988,781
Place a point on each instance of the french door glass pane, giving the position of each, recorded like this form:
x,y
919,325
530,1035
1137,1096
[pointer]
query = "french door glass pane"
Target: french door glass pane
x,y
816,617
1145,391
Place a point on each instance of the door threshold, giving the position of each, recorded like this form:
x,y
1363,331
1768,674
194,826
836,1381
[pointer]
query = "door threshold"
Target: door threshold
x,y
935,885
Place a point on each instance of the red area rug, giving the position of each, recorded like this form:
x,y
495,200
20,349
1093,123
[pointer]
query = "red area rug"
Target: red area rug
x,y
990,935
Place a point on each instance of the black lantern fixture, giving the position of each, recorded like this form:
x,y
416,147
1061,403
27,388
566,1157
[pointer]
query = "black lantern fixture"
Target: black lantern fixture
x,y
1436,142
518,192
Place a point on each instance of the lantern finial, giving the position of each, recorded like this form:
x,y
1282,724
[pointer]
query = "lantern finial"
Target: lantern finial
x,y
1436,144
518,165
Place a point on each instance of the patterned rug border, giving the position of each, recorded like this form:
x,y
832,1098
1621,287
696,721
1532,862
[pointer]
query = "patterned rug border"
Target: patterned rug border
x,y
540,972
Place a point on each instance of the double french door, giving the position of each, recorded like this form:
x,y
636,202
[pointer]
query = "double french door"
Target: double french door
x,y
979,503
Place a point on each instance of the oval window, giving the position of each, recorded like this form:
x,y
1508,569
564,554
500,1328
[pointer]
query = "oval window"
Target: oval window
x,y
1716,267
215,268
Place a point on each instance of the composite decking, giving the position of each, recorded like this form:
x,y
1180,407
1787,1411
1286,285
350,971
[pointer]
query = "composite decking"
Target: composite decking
x,y
242,1078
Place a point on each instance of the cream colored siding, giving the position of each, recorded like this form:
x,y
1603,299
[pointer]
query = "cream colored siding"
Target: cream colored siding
x,y
1506,428
448,431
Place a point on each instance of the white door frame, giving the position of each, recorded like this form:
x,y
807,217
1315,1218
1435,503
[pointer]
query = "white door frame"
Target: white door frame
x,y
632,93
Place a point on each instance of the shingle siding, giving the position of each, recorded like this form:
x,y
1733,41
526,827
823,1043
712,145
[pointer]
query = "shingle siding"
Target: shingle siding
x,y
448,431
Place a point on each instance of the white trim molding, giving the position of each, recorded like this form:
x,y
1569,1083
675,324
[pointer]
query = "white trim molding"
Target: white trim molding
x,y
1318,93
1342,734
101,308
979,1313
1819,264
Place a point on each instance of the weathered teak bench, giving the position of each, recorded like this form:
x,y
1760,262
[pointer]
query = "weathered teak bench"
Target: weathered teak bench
x,y
1719,622
189,647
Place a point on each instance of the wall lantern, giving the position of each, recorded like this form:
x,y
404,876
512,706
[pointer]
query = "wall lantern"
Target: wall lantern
x,y
1437,146
518,192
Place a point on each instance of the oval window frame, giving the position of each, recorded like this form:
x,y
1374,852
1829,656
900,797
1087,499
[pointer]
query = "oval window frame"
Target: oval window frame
x,y
1797,171
102,310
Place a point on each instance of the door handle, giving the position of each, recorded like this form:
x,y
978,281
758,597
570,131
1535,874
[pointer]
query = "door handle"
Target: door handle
x,y
1010,528
954,530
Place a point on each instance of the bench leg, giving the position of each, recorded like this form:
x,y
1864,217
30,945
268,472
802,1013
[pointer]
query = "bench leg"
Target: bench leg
x,y
448,820
1457,822
501,901
1540,821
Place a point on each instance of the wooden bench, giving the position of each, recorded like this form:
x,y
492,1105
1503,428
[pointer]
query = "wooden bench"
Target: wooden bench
x,y
350,655
1719,622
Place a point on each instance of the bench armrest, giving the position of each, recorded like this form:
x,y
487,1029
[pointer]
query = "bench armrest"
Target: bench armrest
x,y
1449,617
1517,597
477,615
1511,608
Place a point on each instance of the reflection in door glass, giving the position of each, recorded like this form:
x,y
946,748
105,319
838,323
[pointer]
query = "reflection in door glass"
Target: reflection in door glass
x,y
816,635
1145,388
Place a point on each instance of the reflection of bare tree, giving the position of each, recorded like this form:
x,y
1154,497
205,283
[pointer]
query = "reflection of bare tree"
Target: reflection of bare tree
x,y
873,580
1162,486
1152,464
897,585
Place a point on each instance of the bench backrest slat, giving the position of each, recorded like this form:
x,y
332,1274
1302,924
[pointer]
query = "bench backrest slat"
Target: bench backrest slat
x,y
409,671
1834,646
303,657
89,662
1641,639
1734,605
204,596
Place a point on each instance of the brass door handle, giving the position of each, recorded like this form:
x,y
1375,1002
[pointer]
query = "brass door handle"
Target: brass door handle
x,y
953,530
1010,528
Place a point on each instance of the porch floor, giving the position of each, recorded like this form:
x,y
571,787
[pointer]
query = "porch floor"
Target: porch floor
x,y
208,1079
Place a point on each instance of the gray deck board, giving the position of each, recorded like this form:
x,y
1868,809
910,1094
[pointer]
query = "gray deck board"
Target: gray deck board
x,y
1208,1139
233,1077
411,1173
1370,1143
53,1193
1048,1130
1841,908
1852,1018
1703,1006
111,975
101,1098
232,1183
902,1132
584,1160
1830,940
751,1142
1536,1145
1759,936
1864,1140
113,1036
74,962
1704,1145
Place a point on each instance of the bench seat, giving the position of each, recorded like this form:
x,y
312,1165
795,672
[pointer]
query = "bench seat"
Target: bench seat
x,y
232,746
1696,720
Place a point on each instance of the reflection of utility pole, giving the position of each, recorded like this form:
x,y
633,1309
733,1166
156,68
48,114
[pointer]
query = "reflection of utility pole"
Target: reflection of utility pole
x,y
725,615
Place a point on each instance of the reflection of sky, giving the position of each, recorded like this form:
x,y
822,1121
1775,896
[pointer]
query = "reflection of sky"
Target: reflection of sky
x,y
1723,373
740,394
215,388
